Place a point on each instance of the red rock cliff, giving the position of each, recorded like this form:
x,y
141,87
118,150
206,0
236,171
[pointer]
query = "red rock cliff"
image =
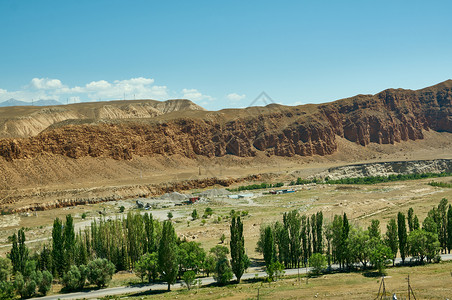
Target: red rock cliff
x,y
388,117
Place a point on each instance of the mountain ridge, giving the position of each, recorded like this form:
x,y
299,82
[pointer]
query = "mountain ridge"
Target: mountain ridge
x,y
387,117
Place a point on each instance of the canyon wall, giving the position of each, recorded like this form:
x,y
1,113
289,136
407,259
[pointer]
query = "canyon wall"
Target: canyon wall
x,y
391,116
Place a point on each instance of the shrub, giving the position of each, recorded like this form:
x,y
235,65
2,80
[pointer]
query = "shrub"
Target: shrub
x,y
318,262
223,271
45,283
189,278
100,272
75,278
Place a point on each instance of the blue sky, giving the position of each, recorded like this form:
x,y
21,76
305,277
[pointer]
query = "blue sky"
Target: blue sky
x,y
220,54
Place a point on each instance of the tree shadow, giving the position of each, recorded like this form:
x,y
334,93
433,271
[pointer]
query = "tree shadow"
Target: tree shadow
x,y
373,274
148,293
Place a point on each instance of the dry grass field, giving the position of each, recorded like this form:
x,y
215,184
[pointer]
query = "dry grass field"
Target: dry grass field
x,y
428,282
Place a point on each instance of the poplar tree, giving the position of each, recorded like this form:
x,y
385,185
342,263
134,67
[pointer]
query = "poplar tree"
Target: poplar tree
x,y
402,234
410,219
449,228
344,240
149,228
239,260
68,243
392,240
57,247
319,226
269,247
442,226
19,252
168,254
314,233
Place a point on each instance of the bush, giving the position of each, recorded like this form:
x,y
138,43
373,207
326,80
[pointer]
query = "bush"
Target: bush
x,y
275,270
318,262
6,290
100,272
45,283
194,214
84,216
75,278
122,209
223,271
147,266
189,278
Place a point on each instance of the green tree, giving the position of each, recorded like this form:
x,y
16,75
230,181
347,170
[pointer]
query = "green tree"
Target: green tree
x,y
5,269
75,278
239,260
189,278
362,245
430,225
100,271
194,214
319,232
209,264
328,238
391,238
402,235
208,212
293,225
19,252
223,271
416,224
317,262
269,247
6,290
45,259
191,256
449,228
170,215
423,244
442,224
57,247
275,270
150,232
26,288
147,266
168,254
410,219
379,257
68,243
45,283
374,230
219,251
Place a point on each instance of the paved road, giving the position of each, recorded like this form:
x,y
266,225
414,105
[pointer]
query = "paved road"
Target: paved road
x,y
163,286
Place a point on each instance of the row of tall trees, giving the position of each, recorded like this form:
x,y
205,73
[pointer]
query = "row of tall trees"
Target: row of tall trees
x,y
138,242
294,240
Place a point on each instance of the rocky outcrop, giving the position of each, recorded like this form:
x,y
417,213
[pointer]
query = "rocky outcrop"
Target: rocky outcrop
x,y
385,118
20,122
387,168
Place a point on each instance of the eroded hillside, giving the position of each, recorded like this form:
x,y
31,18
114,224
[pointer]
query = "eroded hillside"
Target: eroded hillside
x,y
28,121
385,118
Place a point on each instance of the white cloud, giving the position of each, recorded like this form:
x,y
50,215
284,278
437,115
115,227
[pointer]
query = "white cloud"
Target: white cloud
x,y
195,95
132,88
98,85
46,83
235,97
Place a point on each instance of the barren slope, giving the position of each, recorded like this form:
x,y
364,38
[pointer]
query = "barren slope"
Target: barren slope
x,y
119,148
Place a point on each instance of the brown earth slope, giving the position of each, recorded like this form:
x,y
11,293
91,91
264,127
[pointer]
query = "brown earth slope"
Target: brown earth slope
x,y
82,153
26,121
385,118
